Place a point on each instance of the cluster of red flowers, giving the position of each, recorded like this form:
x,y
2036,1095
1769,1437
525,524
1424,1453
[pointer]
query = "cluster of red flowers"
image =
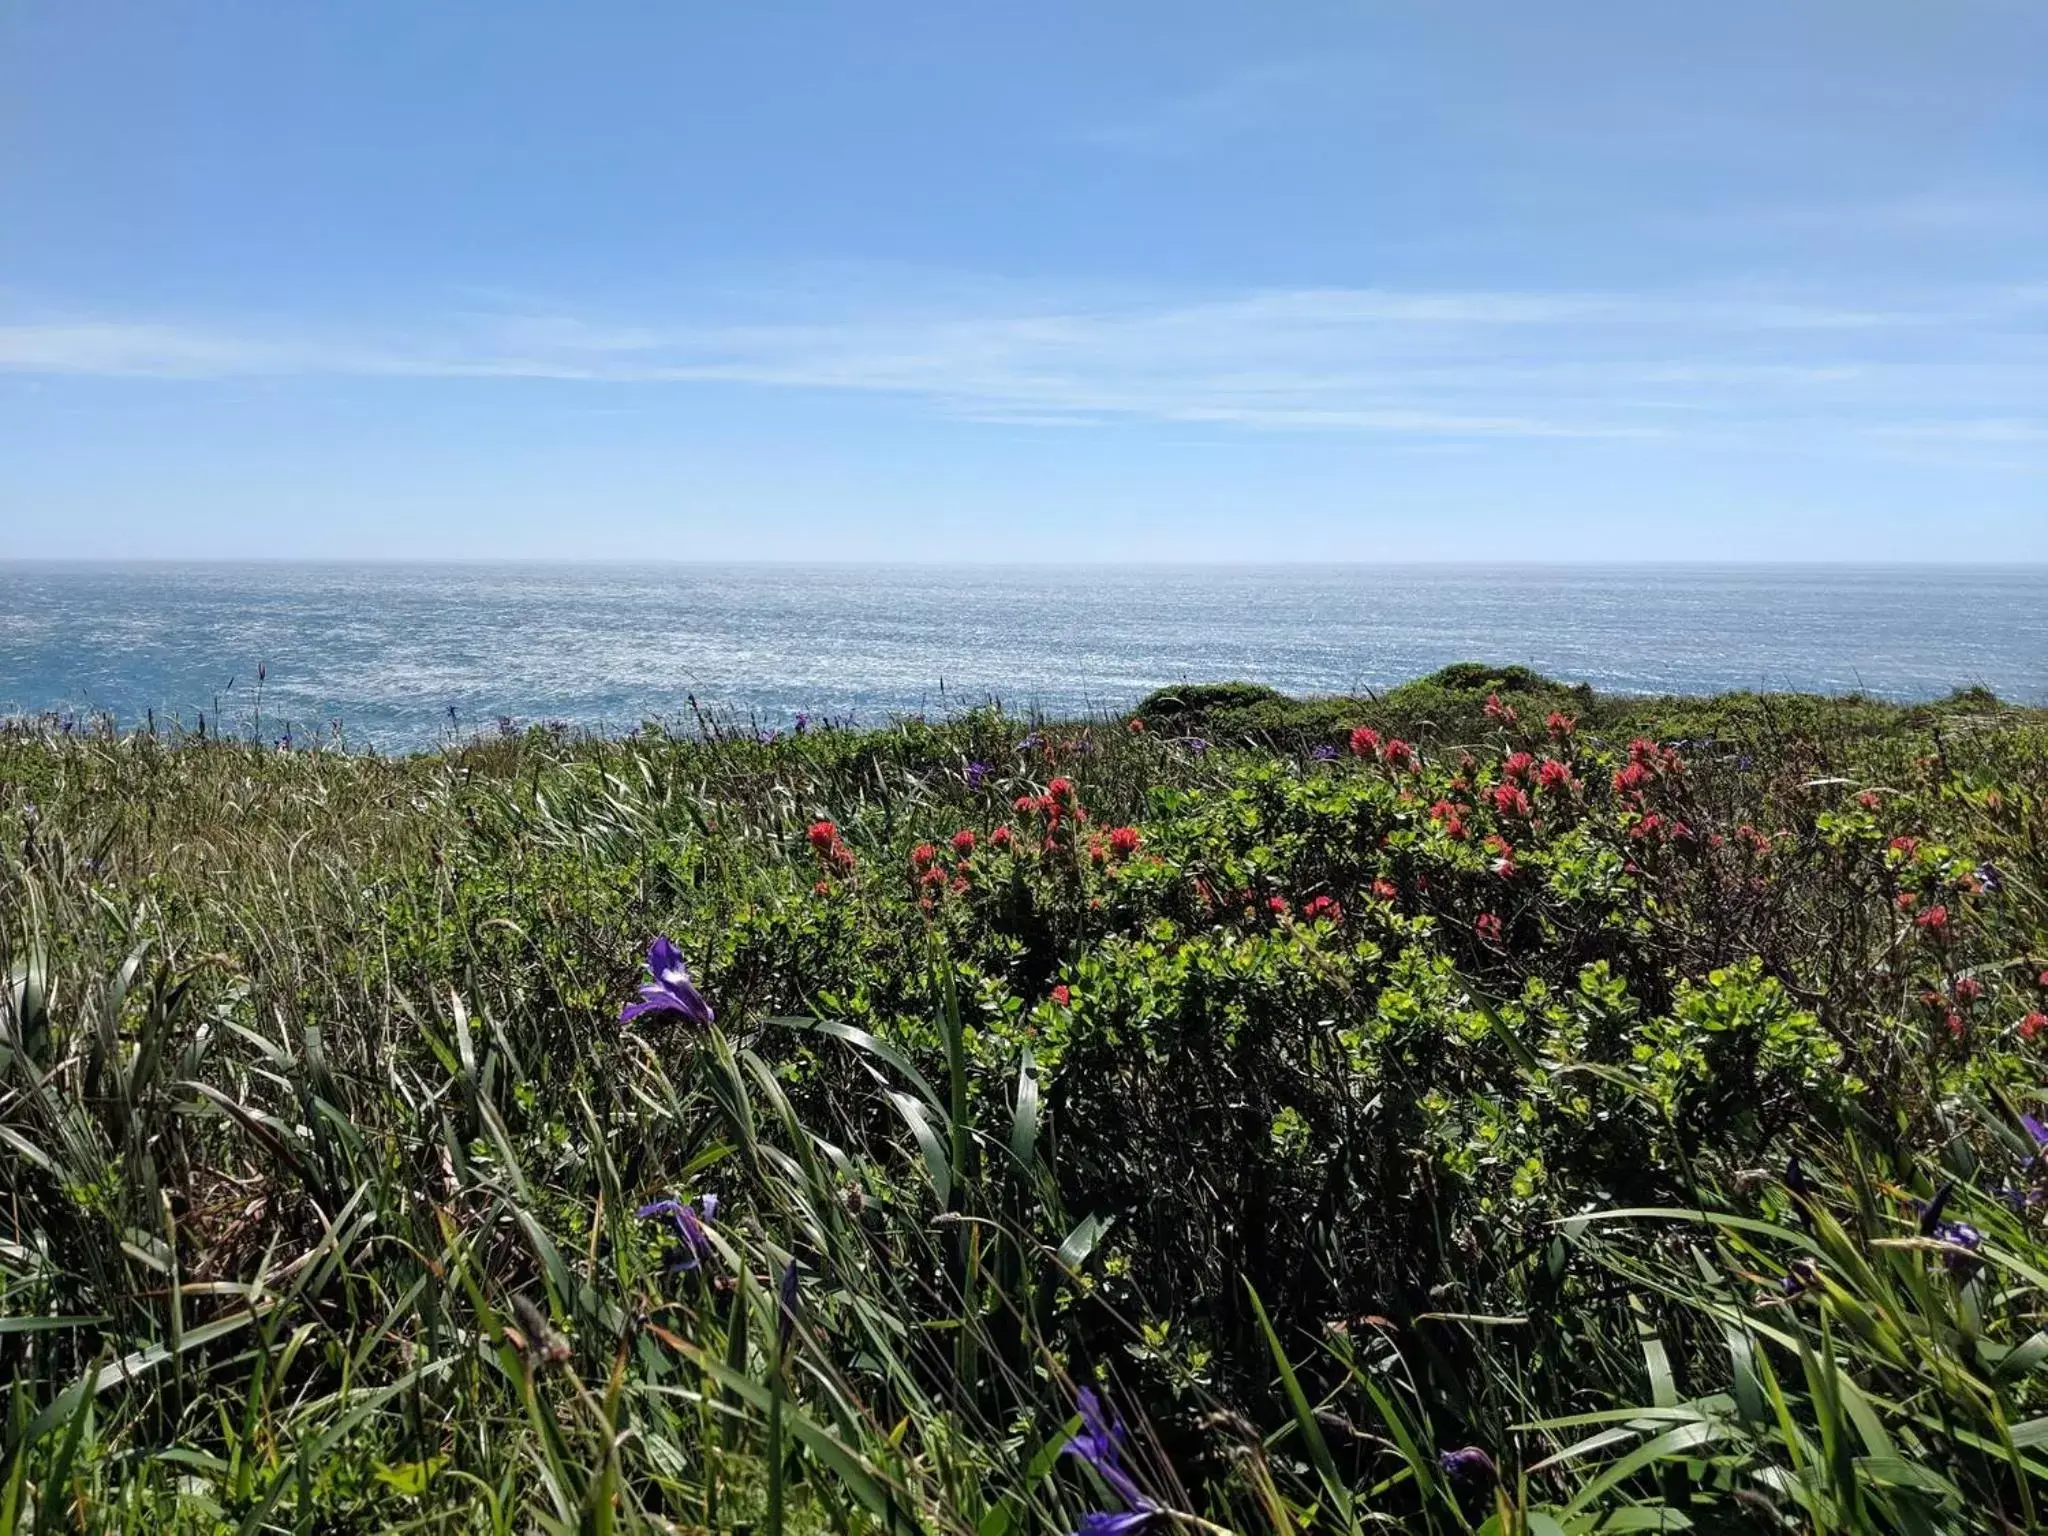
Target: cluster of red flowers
x,y
1452,815
1555,777
929,874
1560,725
1324,909
1385,889
1394,752
1495,710
1647,762
1487,926
1510,800
833,855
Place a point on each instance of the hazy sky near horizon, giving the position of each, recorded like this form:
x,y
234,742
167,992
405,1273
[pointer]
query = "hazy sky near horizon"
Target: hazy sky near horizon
x,y
1766,279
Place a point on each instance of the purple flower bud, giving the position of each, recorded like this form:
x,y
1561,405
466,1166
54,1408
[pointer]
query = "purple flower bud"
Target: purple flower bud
x,y
671,990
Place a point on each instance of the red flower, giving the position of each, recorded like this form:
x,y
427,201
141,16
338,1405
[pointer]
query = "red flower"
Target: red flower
x,y
1443,810
922,855
2033,1024
1487,926
1868,800
963,843
1123,841
1934,920
1454,829
1495,710
1137,726
1061,788
1560,725
1905,901
1324,908
1001,837
1631,779
822,888
1955,1026
1061,996
1517,765
1904,847
1365,742
1555,776
1398,753
1504,862
1967,990
1386,890
1278,904
1510,800
1026,804
823,835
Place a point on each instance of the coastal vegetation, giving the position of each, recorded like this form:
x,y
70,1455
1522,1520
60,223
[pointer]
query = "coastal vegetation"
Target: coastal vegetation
x,y
1483,1107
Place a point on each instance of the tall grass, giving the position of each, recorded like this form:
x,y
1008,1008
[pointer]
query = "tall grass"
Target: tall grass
x,y
323,1146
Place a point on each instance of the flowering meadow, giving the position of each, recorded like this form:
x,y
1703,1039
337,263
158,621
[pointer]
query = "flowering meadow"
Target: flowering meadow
x,y
1484,1107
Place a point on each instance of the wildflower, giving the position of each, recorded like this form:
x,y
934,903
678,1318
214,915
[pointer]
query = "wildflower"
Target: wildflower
x,y
1031,743
922,856
1137,726
1934,920
1466,1463
787,1296
1504,855
1510,800
1000,838
1062,995
1487,926
823,835
1800,1278
1967,990
1957,1235
1060,789
803,722
1905,901
2033,1024
963,843
976,773
1026,804
688,1223
1326,754
1517,765
1277,905
1197,745
2038,1130
1324,909
1630,780
822,888
1123,841
1101,1444
1365,742
1495,710
1904,847
1560,725
670,991
1386,890
1989,880
1397,753
1868,800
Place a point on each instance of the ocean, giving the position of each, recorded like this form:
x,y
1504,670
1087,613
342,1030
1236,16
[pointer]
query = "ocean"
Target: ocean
x,y
404,656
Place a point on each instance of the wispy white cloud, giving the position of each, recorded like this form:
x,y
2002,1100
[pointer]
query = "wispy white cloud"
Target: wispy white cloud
x,y
1425,365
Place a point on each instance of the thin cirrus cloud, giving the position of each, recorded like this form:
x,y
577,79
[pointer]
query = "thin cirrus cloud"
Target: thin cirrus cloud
x,y
1363,361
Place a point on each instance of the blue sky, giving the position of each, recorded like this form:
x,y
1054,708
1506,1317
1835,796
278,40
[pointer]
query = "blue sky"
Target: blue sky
x,y
1311,281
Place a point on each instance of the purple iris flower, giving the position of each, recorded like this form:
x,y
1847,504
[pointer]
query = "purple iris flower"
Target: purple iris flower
x,y
688,1223
1326,754
1958,1235
1101,1445
788,1295
976,772
1989,878
1031,743
1466,1462
2038,1131
1197,745
803,722
670,991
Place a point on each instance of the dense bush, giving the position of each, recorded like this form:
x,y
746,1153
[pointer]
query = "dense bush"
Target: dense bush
x,y
1484,1104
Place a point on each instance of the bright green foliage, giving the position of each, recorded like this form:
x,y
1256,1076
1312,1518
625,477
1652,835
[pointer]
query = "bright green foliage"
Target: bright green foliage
x,y
1330,1110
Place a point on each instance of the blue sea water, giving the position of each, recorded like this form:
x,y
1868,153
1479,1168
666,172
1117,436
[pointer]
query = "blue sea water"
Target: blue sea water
x,y
389,651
